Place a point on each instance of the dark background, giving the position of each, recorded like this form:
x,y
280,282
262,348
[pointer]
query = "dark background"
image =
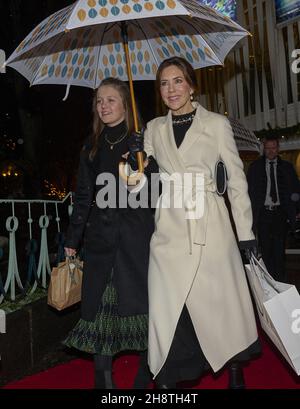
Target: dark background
x,y
40,135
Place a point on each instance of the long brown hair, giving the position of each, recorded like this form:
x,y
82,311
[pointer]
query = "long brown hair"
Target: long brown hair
x,y
184,66
122,88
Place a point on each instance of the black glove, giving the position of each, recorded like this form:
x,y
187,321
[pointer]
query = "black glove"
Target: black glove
x,y
249,247
135,144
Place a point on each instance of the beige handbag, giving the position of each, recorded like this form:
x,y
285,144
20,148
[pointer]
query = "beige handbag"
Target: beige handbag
x,y
65,284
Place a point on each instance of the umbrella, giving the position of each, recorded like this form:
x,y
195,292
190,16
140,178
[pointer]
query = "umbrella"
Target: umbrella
x,y
90,40
245,139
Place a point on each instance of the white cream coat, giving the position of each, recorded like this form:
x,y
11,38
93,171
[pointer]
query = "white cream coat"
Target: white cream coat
x,y
197,262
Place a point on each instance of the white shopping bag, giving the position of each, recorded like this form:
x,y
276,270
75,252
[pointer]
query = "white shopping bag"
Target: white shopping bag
x,y
278,307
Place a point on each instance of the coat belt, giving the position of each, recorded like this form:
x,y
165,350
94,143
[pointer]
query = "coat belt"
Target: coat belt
x,y
192,193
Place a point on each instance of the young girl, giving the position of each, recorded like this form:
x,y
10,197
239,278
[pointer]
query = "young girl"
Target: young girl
x,y
114,304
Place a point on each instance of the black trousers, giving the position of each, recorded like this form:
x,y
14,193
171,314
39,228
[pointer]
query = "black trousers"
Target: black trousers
x,y
272,232
186,360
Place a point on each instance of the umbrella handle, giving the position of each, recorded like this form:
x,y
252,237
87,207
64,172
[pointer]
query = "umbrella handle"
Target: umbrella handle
x,y
131,180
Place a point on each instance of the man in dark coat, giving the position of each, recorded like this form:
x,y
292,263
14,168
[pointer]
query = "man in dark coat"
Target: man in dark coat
x,y
274,192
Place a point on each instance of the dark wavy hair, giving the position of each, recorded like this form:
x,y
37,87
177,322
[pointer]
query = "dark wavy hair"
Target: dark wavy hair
x,y
122,88
184,66
271,138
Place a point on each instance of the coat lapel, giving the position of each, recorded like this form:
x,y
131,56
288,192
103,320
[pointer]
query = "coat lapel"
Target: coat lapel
x,y
169,145
196,129
174,154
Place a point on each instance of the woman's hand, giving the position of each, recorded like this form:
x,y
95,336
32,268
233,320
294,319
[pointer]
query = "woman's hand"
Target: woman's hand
x,y
125,156
249,247
70,252
135,144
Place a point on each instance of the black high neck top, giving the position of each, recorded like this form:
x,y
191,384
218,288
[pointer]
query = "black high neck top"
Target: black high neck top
x,y
181,124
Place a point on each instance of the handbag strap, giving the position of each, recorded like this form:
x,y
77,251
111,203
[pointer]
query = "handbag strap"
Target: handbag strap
x,y
72,262
264,273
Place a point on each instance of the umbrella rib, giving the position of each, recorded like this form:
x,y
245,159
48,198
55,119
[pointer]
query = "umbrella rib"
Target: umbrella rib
x,y
148,42
98,59
40,65
107,27
182,19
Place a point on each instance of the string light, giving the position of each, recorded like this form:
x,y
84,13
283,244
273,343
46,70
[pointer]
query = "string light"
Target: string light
x,y
11,171
54,191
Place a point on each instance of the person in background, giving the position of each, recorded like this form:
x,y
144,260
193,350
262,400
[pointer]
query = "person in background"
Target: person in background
x,y
114,305
200,310
274,190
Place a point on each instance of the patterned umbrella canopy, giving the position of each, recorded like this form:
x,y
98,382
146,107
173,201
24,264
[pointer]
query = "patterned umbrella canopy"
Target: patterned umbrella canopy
x,y
245,139
83,43
94,39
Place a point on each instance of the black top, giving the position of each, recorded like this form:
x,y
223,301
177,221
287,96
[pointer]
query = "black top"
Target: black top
x,y
113,238
113,143
181,124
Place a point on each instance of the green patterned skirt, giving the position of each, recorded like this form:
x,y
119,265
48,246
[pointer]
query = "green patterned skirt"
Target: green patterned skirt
x,y
110,333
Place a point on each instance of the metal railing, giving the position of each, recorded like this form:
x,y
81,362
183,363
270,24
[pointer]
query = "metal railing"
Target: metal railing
x,y
36,272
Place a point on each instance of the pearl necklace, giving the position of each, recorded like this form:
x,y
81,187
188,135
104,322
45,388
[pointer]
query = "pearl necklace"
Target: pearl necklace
x,y
181,121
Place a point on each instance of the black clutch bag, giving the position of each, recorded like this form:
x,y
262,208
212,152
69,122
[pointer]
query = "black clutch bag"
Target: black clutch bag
x,y
221,177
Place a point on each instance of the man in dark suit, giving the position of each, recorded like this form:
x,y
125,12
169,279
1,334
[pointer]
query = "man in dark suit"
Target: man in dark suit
x,y
274,190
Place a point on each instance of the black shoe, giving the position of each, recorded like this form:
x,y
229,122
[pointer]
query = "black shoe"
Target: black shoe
x,y
99,380
142,379
236,377
143,376
103,372
104,380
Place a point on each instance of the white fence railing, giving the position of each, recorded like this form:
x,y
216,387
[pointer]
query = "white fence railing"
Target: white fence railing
x,y
36,273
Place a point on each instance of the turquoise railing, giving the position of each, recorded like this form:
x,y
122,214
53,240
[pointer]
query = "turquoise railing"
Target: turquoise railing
x,y
38,273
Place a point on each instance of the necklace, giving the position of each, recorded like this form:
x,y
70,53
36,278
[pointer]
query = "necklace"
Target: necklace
x,y
180,121
112,144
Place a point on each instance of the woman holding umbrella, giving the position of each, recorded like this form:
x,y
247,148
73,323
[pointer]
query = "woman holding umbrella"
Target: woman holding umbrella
x,y
114,303
200,311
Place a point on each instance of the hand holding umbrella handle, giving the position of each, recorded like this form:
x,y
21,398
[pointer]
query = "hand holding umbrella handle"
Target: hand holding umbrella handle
x,y
136,155
135,159
134,179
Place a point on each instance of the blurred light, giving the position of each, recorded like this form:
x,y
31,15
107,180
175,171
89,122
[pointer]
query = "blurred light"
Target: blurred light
x,y
4,174
20,141
54,191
